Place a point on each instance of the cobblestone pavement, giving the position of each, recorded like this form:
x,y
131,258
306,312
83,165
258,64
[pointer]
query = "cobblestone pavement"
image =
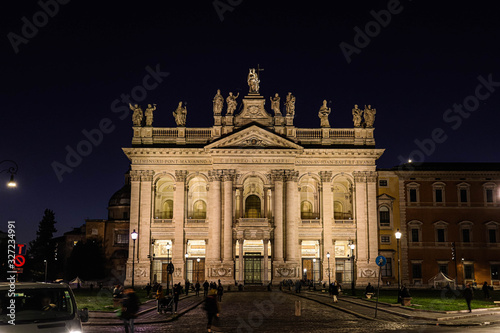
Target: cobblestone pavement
x,y
269,312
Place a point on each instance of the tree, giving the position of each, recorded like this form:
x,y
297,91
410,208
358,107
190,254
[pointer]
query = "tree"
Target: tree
x,y
87,261
42,249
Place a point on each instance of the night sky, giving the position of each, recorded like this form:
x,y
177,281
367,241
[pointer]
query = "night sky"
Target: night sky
x,y
417,68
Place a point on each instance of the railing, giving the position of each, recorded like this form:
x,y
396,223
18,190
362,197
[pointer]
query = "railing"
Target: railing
x,y
315,221
198,133
162,220
195,220
342,132
349,221
165,132
308,133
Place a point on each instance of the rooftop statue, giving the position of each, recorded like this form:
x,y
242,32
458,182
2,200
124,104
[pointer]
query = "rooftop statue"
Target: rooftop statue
x,y
149,114
356,116
180,115
218,103
253,81
137,115
231,103
290,105
369,116
323,114
275,104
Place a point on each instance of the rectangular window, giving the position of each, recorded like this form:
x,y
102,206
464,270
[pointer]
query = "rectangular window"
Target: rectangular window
x,y
440,235
385,239
443,268
385,217
413,195
466,235
382,183
469,271
489,195
387,269
414,235
492,235
121,238
494,272
463,195
417,271
439,195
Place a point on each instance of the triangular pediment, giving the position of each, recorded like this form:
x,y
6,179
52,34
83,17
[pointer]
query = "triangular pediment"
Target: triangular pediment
x,y
254,137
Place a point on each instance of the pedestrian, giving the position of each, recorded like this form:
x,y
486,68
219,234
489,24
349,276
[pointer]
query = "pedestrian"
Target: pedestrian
x,y
187,287
197,288
220,291
177,293
486,290
335,292
117,295
130,307
160,298
206,285
148,289
405,293
468,295
369,290
212,308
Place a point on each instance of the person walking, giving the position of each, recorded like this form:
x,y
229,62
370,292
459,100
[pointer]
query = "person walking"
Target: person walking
x,y
206,285
160,298
220,291
486,290
468,295
177,293
130,307
335,292
197,288
211,307
148,289
187,287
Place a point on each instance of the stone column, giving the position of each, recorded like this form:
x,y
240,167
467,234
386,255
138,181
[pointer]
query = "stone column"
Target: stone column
x,y
266,260
361,216
277,177
372,216
135,197
240,261
326,197
178,219
292,213
214,204
227,243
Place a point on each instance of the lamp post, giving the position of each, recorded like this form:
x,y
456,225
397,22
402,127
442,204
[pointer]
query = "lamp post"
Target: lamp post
x,y
134,235
45,262
353,282
197,269
168,266
398,237
314,281
463,271
12,170
328,257
186,255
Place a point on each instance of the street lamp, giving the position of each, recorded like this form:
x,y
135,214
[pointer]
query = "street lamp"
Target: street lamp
x,y
314,281
168,267
328,257
398,248
134,235
353,283
463,271
187,256
45,261
197,269
12,170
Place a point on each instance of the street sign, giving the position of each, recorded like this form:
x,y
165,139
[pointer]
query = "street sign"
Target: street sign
x,y
381,261
170,268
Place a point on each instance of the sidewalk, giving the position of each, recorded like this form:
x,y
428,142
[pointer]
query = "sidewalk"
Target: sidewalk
x,y
477,317
147,312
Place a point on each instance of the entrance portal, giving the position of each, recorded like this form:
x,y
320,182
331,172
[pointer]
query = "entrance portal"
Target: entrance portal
x,y
253,263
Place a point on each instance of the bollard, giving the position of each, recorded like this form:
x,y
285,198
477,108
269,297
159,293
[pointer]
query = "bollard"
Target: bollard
x,y
298,308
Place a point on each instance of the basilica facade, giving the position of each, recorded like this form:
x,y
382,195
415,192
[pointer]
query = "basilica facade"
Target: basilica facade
x,y
253,199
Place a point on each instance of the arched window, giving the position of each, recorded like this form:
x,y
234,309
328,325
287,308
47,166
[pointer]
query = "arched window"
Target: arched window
x,y
200,210
164,198
338,210
384,216
252,206
306,210
168,209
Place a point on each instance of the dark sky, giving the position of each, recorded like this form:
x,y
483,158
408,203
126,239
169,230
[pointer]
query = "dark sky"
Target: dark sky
x,y
64,80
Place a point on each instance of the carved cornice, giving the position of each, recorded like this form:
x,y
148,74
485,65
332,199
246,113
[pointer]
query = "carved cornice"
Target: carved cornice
x,y
359,176
135,175
228,175
180,175
291,176
326,176
214,175
277,175
371,176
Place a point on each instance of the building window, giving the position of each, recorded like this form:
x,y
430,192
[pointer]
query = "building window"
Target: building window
x,y
382,183
469,271
439,195
385,239
415,231
494,272
384,217
466,235
443,268
489,195
463,193
440,235
121,237
489,191
441,231
413,193
414,235
199,210
386,270
492,235
416,271
492,232
306,210
438,192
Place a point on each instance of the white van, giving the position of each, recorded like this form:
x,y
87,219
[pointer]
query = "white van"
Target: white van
x,y
39,307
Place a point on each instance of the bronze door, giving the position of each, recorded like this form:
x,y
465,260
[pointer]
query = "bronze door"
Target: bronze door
x,y
253,269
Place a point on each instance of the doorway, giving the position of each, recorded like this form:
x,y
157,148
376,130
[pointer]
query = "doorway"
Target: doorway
x,y
253,266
